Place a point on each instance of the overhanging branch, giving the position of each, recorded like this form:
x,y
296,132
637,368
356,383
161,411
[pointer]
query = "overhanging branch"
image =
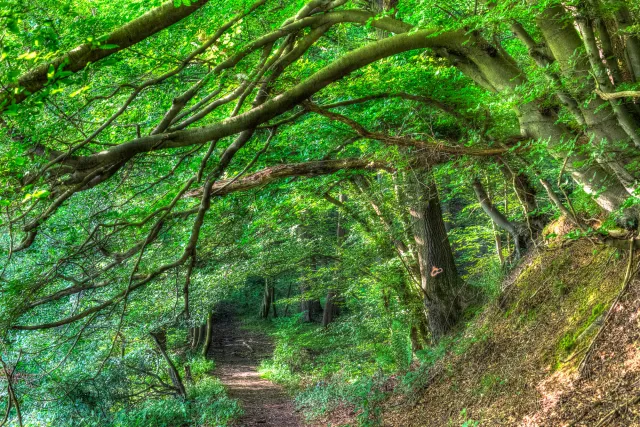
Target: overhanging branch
x,y
274,173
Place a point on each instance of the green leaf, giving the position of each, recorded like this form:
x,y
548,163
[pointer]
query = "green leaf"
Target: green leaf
x,y
79,91
28,55
41,194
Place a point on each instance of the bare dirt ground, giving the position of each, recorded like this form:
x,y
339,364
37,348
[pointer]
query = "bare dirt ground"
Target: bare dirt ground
x,y
237,353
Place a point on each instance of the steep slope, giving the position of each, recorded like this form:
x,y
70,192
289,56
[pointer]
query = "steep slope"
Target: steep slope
x,y
517,363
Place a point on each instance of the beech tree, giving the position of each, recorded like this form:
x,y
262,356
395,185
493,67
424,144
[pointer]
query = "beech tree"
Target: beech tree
x,y
140,140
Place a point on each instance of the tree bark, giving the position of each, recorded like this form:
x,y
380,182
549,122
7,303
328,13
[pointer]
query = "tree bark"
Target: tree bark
x,y
274,173
632,42
538,122
267,299
195,337
310,307
330,308
160,339
497,217
273,301
286,309
202,330
442,287
208,333
327,314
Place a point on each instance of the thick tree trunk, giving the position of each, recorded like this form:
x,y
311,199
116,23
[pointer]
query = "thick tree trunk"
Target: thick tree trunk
x,y
536,121
608,123
604,186
161,342
608,53
632,42
443,288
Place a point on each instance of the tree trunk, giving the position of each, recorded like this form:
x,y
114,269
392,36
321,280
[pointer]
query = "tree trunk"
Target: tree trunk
x,y
497,217
329,307
161,342
405,255
286,309
497,73
273,301
188,375
208,333
526,194
498,240
187,284
305,305
632,42
195,337
442,287
202,330
310,307
266,300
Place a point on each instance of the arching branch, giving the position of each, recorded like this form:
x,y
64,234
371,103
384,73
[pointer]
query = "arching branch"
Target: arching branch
x,y
274,173
76,59
353,60
434,152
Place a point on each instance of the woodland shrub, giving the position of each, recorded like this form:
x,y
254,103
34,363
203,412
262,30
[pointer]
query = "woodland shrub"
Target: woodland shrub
x,y
207,406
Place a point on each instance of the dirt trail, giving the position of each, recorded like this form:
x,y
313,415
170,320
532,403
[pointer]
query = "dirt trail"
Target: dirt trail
x,y
237,354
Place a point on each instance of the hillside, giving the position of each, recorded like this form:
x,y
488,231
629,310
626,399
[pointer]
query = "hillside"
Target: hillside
x,y
518,362
319,212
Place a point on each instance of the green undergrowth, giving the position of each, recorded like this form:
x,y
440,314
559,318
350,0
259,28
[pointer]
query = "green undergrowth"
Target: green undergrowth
x,y
207,404
357,362
352,366
360,361
344,364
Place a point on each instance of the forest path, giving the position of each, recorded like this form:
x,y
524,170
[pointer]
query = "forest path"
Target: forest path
x,y
237,353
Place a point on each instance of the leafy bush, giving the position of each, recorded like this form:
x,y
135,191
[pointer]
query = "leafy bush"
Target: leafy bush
x,y
207,406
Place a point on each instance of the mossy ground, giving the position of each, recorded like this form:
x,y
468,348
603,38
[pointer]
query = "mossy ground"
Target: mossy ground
x,y
523,370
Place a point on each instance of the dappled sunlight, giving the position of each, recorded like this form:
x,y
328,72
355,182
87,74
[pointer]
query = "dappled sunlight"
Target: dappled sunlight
x,y
366,213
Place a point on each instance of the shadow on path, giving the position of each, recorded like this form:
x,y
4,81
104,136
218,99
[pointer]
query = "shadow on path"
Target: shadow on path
x,y
237,354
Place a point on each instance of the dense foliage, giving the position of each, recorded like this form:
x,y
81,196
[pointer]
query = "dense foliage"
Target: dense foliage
x,y
372,167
